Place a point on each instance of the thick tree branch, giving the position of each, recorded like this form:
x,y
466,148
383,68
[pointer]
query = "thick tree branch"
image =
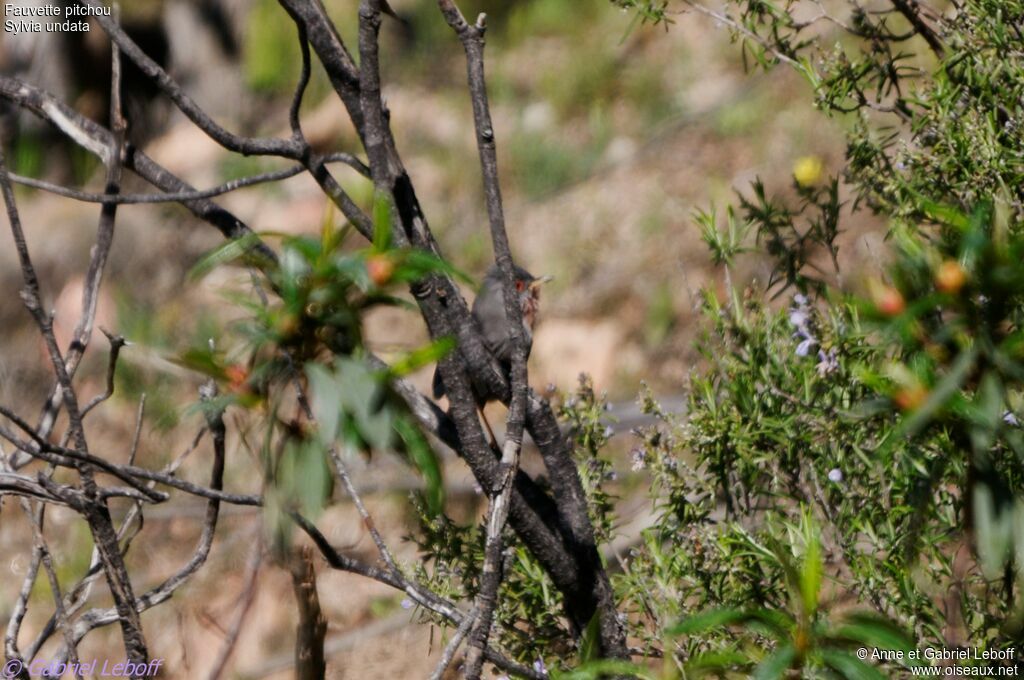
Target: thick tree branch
x,y
472,38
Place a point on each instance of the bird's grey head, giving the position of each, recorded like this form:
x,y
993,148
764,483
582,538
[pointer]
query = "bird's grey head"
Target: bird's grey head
x,y
527,286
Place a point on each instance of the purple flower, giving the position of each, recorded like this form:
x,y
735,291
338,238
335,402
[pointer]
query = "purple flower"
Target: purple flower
x,y
407,603
639,457
539,667
1011,419
799,317
827,363
835,475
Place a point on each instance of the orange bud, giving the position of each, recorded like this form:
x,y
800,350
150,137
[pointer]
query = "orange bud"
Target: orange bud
x,y
950,277
237,375
380,268
889,301
909,398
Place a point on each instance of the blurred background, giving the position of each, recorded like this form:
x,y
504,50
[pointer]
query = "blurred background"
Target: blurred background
x,y
611,134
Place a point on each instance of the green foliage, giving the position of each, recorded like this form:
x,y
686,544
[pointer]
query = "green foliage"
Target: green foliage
x,y
804,639
529,611
298,363
645,10
781,428
889,424
956,360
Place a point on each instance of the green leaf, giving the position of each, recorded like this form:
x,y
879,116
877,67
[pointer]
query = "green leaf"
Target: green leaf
x,y
361,389
813,567
776,665
719,660
227,252
203,361
382,205
705,621
870,630
422,356
423,457
945,214
590,649
849,666
304,477
993,524
325,400
414,264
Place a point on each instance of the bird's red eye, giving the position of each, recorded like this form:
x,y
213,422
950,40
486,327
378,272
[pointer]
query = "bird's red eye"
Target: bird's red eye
x,y
519,286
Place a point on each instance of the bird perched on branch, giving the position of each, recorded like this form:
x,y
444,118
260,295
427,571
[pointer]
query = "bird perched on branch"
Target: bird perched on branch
x,y
489,315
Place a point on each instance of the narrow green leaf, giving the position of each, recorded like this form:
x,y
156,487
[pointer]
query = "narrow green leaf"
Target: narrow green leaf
x,y
590,641
870,630
382,205
993,524
325,401
947,387
849,666
425,460
776,665
714,618
812,568
227,252
423,356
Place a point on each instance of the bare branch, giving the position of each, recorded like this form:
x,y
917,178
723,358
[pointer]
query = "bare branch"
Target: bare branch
x,y
95,509
453,646
183,196
421,596
246,600
249,146
36,520
91,135
472,38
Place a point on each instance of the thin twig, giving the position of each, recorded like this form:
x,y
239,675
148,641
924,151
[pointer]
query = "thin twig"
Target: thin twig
x,y
453,646
245,603
183,196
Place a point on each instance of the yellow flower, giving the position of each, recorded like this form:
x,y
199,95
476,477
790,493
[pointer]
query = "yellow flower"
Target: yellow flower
x,y
808,171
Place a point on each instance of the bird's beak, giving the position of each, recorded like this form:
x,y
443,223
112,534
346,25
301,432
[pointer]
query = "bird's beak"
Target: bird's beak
x,y
536,283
